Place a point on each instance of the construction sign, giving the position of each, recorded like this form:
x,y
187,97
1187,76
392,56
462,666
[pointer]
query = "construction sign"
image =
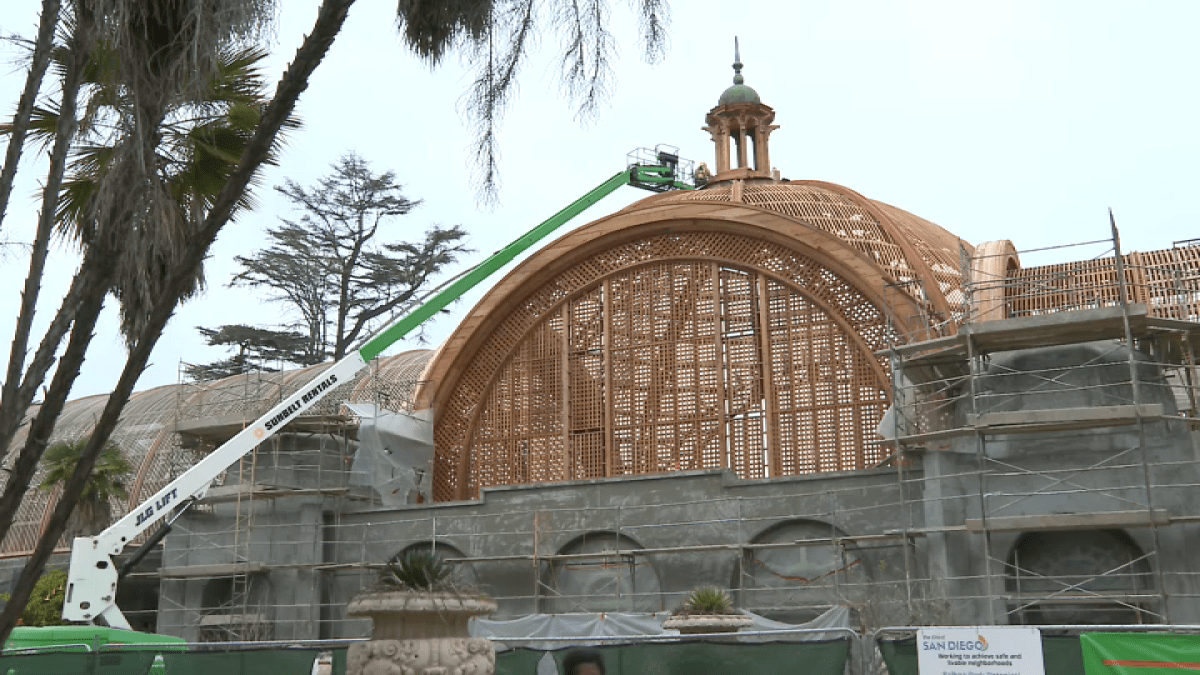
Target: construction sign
x,y
1139,653
980,650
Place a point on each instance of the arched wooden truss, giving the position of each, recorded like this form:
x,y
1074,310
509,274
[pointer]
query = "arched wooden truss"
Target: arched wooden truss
x,y
684,334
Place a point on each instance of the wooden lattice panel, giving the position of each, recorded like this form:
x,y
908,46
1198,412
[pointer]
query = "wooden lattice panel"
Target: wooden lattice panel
x,y
1166,281
675,352
940,249
145,436
857,221
391,381
827,210
77,420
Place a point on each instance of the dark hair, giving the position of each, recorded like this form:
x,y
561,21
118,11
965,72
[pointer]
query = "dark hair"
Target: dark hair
x,y
578,657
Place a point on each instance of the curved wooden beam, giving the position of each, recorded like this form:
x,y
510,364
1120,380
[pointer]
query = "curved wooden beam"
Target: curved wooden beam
x,y
990,267
569,250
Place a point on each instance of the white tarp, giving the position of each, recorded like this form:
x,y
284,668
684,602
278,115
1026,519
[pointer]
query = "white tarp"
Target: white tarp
x,y
395,452
614,624
579,627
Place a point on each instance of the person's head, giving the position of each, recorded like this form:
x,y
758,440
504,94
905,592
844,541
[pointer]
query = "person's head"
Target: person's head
x,y
583,662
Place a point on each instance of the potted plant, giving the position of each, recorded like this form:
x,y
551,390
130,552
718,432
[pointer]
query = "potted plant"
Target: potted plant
x,y
707,609
419,621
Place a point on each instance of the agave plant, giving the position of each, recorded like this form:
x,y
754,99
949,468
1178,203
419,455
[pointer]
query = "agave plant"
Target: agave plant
x,y
417,570
707,600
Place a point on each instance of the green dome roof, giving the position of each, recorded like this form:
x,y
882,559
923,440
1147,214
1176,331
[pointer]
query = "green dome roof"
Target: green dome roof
x,y
738,93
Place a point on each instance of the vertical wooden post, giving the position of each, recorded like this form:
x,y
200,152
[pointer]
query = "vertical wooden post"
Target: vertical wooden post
x,y
568,470
722,375
766,371
606,308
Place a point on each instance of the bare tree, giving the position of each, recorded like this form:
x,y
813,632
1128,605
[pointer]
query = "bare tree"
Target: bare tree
x,y
332,266
256,349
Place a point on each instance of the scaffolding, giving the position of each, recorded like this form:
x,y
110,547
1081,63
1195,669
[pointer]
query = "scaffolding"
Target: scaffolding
x,y
306,466
1074,489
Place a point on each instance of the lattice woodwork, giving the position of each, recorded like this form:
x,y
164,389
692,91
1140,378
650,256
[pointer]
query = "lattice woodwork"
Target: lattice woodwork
x,y
878,230
1166,281
681,351
391,381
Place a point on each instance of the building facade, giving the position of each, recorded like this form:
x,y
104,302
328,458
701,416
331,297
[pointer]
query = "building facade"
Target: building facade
x,y
779,387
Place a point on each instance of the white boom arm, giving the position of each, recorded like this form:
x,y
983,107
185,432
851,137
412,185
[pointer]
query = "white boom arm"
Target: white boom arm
x,y
92,578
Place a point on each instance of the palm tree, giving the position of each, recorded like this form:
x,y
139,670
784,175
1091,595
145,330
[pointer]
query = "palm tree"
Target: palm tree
x,y
93,513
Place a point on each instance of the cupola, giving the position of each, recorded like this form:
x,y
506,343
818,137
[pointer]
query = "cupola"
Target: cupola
x,y
741,123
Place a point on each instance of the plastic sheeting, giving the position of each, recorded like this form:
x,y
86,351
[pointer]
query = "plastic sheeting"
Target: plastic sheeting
x,y
825,657
614,624
579,627
395,452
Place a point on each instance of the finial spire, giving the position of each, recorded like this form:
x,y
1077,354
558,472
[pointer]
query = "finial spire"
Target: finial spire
x,y
737,63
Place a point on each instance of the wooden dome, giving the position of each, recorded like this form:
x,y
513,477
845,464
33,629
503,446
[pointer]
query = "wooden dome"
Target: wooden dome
x,y
736,326
731,327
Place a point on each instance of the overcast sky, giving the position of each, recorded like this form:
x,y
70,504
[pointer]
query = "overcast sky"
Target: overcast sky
x,y
996,120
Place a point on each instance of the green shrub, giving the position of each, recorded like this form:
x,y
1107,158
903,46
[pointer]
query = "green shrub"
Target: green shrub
x,y
418,571
46,602
707,600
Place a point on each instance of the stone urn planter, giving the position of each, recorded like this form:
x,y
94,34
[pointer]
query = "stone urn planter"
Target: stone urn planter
x,y
419,623
420,633
708,623
707,609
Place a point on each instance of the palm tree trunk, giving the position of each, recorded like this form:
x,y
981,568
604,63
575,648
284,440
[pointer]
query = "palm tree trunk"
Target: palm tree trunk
x,y
35,444
330,18
33,84
18,392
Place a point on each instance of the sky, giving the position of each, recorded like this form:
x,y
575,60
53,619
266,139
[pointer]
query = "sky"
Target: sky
x,y
1019,120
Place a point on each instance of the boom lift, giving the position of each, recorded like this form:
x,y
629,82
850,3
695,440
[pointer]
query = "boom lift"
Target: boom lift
x,y
93,576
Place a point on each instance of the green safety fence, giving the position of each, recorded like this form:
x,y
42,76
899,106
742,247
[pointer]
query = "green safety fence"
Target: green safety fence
x,y
685,658
827,657
1061,655
1140,653
519,661
655,658
77,663
241,662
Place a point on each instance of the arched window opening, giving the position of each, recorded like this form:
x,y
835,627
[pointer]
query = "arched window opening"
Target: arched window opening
x,y
1079,577
797,570
603,572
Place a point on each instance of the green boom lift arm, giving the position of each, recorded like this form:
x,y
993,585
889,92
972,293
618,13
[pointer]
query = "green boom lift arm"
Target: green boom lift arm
x,y
93,577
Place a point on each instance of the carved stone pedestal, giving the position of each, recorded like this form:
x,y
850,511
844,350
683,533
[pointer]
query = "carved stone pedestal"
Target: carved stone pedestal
x,y
420,634
698,624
